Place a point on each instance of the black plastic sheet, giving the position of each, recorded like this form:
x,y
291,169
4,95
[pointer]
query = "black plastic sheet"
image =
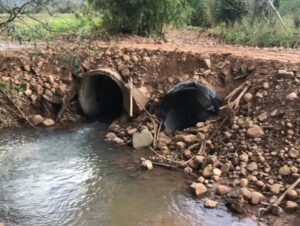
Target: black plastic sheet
x,y
186,104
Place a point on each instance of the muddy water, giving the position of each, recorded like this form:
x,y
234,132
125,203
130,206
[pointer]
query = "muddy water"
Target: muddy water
x,y
72,177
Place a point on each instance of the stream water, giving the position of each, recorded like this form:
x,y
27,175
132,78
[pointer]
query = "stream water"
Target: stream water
x,y
72,177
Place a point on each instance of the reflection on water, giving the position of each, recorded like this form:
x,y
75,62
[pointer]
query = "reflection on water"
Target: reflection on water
x,y
61,177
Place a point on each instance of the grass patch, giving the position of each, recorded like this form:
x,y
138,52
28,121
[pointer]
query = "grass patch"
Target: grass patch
x,y
262,32
49,27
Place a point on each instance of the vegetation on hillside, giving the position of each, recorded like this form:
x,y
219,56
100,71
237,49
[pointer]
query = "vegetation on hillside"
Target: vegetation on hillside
x,y
249,22
142,17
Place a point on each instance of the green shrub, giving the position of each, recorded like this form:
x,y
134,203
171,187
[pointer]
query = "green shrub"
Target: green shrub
x,y
289,7
297,20
198,16
227,11
142,17
263,32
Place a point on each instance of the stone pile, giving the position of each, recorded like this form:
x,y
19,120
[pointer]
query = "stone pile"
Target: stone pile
x,y
254,158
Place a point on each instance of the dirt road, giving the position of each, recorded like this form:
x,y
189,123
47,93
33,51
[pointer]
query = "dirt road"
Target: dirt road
x,y
184,40
280,54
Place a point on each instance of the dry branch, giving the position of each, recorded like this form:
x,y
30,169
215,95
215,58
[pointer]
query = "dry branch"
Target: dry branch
x,y
277,12
18,109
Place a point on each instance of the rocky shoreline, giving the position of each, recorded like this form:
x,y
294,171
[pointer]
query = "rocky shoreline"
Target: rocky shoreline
x,y
248,154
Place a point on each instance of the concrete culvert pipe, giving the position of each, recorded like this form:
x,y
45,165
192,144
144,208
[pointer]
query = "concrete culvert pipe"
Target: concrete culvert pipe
x,y
186,104
104,96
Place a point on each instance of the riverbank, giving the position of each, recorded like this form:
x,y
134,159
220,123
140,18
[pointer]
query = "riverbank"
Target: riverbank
x,y
248,155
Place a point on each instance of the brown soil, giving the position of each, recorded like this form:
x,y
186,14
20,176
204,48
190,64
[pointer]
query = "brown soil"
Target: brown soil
x,y
44,80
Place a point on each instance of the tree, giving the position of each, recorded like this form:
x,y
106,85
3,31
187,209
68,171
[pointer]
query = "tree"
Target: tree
x,y
143,17
13,11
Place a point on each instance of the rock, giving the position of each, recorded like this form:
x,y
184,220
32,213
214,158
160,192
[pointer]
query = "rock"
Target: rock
x,y
142,139
266,85
292,194
67,77
263,116
244,157
193,165
252,166
208,62
135,59
48,122
118,140
210,203
244,182
125,72
293,153
188,154
256,198
259,95
163,139
199,159
201,179
147,164
28,92
225,168
190,138
247,194
33,98
260,184
248,97
131,131
110,136
180,145
51,79
207,171
164,150
199,188
126,57
146,59
217,172
285,74
37,120
285,170
255,132
291,206
292,96
48,93
294,170
223,189
252,178
188,170
276,210
61,90
273,199
210,159
39,89
275,188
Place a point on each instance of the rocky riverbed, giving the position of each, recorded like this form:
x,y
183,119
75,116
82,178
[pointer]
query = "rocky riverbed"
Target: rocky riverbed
x,y
247,155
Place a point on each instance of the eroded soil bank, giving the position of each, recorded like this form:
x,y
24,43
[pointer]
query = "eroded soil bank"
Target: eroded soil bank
x,y
248,155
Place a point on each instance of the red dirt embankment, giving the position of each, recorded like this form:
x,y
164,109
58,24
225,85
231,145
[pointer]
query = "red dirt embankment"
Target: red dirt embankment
x,y
252,157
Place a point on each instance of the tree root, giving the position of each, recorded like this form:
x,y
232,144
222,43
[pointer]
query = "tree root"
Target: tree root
x,y
21,113
233,105
164,158
275,206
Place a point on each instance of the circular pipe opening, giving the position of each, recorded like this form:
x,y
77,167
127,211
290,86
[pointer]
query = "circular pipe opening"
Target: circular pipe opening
x,y
101,97
186,104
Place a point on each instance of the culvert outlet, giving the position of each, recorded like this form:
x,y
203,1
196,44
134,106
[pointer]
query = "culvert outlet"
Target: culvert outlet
x,y
186,104
104,96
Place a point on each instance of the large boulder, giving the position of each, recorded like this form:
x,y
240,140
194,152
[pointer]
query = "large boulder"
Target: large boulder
x,y
142,139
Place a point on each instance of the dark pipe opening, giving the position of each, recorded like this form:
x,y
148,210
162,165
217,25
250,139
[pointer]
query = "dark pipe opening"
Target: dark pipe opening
x,y
101,98
186,104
